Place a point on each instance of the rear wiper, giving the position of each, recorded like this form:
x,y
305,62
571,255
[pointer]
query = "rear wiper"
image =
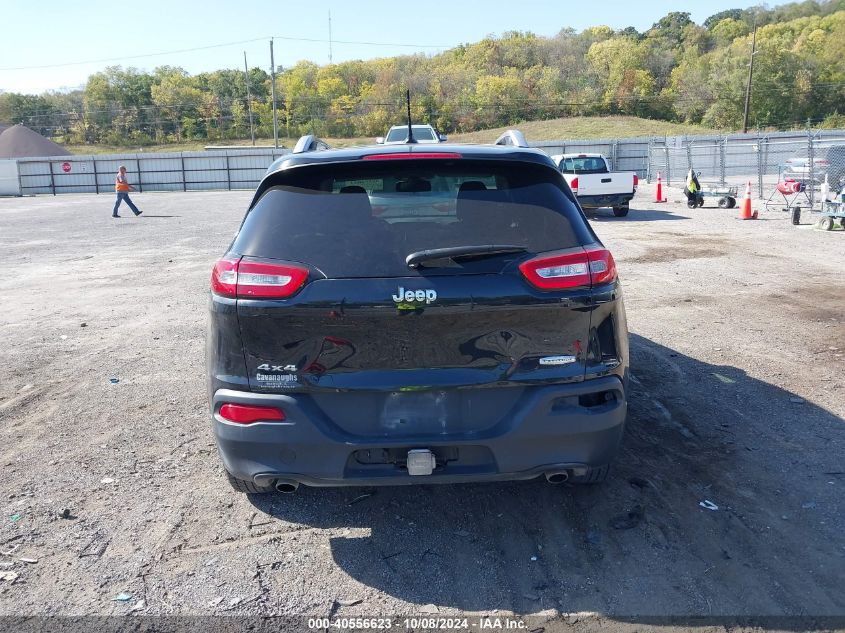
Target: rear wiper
x,y
413,260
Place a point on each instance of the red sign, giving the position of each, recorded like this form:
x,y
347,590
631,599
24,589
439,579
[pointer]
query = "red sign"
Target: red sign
x,y
66,167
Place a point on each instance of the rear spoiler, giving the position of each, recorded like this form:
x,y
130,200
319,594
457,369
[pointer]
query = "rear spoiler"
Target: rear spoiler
x,y
512,137
310,143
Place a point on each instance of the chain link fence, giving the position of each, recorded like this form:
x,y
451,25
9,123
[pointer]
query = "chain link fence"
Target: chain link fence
x,y
627,154
783,168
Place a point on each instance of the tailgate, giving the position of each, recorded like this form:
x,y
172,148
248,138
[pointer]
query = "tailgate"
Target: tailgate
x,y
423,350
605,184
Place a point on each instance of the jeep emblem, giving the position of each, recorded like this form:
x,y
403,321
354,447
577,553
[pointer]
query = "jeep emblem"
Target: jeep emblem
x,y
408,296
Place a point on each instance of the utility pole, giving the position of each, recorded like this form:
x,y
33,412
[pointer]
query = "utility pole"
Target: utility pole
x,y
273,88
748,85
249,100
330,36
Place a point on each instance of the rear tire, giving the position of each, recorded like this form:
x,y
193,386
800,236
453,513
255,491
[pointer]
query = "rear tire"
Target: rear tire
x,y
826,223
620,212
731,203
247,487
595,475
724,203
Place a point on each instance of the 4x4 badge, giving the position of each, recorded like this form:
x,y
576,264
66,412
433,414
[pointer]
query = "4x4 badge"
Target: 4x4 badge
x,y
403,295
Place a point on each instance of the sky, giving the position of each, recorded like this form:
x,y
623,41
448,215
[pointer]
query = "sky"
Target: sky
x,y
42,43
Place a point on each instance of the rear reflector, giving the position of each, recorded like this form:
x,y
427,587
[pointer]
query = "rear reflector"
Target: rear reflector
x,y
248,414
583,268
250,278
413,155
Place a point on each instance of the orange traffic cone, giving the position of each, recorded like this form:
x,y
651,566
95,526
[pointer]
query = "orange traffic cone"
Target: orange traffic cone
x,y
659,197
746,214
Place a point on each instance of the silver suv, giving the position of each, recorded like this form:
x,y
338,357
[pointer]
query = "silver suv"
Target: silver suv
x,y
828,161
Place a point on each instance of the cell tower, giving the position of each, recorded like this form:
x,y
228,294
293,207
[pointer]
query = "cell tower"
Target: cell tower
x,y
330,36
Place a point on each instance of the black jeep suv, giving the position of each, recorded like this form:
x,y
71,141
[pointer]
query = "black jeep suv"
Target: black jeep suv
x,y
416,314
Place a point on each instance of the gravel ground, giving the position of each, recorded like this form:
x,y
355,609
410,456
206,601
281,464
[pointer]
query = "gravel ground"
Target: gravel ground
x,y
738,344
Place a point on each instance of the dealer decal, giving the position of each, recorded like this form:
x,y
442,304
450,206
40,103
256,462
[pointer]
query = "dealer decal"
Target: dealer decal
x,y
265,377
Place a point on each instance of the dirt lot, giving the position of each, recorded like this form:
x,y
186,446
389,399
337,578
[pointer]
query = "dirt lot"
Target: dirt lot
x,y
738,353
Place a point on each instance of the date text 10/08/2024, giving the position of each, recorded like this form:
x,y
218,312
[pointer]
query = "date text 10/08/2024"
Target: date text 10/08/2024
x,y
417,623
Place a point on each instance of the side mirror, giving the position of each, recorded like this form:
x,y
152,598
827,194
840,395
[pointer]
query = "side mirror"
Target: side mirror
x,y
379,140
443,138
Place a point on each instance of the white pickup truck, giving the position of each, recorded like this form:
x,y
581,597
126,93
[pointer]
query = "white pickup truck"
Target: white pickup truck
x,y
595,185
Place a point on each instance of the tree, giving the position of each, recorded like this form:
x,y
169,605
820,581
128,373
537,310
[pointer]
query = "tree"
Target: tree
x,y
671,26
727,30
623,82
675,70
178,100
731,14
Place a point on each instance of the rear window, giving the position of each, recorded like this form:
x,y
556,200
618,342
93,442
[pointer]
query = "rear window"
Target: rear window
x,y
421,133
584,165
363,219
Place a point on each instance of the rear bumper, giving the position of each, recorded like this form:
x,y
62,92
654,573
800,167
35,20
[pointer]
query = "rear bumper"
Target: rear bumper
x,y
552,428
611,200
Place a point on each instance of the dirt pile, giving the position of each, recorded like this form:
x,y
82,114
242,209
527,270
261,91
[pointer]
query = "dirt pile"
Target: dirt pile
x,y
19,141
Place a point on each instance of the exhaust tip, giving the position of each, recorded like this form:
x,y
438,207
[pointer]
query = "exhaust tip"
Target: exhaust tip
x,y
557,477
287,487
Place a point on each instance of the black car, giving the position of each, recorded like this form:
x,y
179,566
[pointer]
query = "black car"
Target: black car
x,y
416,314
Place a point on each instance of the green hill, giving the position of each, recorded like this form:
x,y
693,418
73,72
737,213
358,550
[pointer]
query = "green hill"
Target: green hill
x,y
570,128
585,128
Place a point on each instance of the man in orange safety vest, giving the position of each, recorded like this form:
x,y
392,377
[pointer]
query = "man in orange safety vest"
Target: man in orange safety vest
x,y
122,187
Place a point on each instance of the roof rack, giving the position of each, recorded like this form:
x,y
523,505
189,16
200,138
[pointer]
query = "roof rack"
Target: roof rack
x,y
512,137
310,143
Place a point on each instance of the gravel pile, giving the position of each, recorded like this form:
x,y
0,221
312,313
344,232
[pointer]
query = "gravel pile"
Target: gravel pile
x,y
19,141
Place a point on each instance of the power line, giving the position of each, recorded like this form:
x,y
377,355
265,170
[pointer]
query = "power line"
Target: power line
x,y
124,58
210,46
362,43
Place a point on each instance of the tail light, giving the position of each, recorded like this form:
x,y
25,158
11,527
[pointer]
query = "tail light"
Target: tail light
x,y
636,180
574,185
224,277
584,268
602,266
263,280
249,278
249,414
